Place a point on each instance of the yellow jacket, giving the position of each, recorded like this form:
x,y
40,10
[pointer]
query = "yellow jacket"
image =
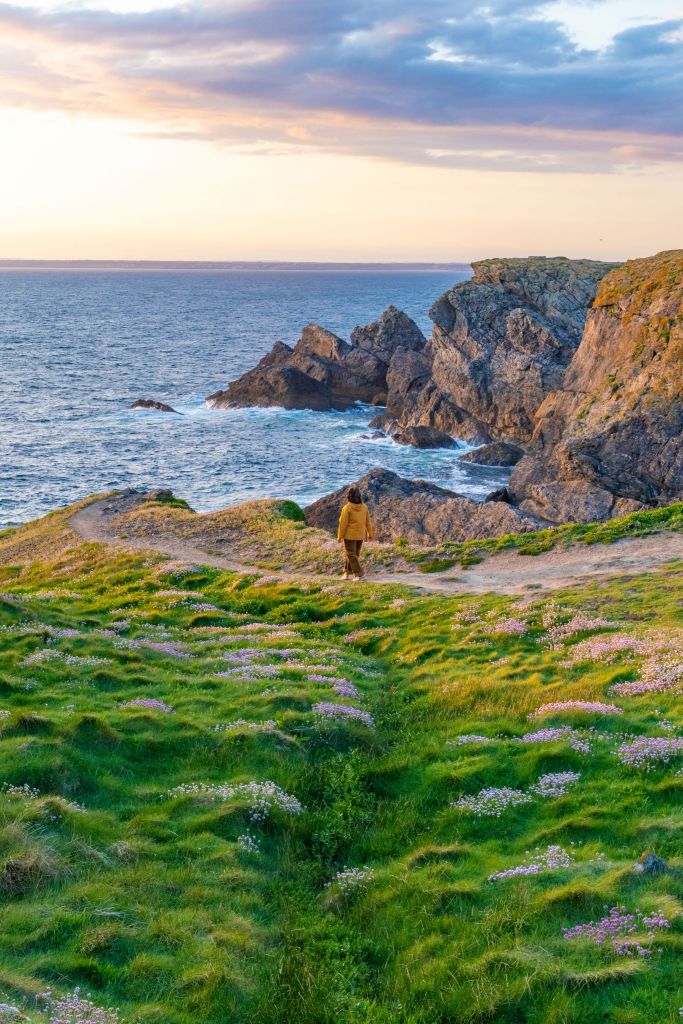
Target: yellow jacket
x,y
353,522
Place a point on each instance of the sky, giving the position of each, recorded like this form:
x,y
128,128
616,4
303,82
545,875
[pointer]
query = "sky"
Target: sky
x,y
340,129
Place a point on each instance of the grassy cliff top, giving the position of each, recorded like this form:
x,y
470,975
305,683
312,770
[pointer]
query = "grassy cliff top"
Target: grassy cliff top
x,y
229,798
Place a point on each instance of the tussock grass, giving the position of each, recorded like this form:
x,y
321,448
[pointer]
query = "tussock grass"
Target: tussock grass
x,y
153,904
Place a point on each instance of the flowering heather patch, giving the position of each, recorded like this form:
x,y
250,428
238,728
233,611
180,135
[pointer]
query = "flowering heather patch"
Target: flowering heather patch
x,y
491,803
513,627
459,741
576,705
262,796
617,927
563,734
554,784
60,633
178,593
326,713
175,647
252,672
51,595
265,581
468,613
24,792
71,1009
362,635
579,623
353,881
345,689
247,844
5,714
68,659
241,724
398,603
148,702
646,752
552,857
201,607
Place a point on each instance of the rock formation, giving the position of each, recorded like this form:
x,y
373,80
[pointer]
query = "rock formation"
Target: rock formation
x,y
612,438
283,386
500,453
424,437
148,403
421,512
501,343
348,372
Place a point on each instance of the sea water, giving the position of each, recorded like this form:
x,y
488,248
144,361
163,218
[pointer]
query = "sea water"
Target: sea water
x,y
77,348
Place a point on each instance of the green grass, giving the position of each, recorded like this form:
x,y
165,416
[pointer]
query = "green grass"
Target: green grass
x,y
150,903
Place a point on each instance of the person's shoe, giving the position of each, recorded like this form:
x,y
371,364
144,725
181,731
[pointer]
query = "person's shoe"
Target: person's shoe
x,y
358,578
347,576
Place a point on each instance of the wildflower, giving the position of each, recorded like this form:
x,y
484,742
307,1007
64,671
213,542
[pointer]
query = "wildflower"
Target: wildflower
x,y
352,881
261,796
461,740
241,724
247,844
618,926
577,705
148,702
564,733
71,1009
491,802
264,581
642,753
326,712
553,857
513,627
554,784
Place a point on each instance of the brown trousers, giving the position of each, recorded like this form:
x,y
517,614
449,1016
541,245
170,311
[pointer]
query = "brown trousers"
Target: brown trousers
x,y
352,548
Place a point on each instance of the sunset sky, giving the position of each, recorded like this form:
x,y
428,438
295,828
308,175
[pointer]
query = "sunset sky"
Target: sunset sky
x,y
340,129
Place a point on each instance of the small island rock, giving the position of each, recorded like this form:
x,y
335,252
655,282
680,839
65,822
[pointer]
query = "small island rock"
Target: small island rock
x,y
500,453
148,403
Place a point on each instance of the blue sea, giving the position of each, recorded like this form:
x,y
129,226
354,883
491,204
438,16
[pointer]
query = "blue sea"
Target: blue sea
x,y
78,347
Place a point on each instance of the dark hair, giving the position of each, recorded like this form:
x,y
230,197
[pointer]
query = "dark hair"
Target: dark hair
x,y
354,496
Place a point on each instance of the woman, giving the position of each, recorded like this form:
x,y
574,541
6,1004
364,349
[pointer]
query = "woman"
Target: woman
x,y
354,523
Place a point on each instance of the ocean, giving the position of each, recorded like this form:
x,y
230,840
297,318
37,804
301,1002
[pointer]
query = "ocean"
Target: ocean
x,y
78,347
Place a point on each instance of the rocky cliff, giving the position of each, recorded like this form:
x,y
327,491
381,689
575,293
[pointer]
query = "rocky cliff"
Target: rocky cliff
x,y
421,512
501,343
612,437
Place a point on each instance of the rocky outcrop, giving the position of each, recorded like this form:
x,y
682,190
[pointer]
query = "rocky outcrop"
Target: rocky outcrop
x,y
424,437
611,440
350,372
282,386
500,453
148,403
421,512
501,343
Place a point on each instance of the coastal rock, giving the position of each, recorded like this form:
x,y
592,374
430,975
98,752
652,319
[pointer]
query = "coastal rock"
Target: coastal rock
x,y
282,386
502,341
501,494
148,403
424,437
500,453
422,512
610,441
350,372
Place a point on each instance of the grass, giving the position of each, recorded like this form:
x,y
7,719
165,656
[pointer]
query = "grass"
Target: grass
x,y
150,901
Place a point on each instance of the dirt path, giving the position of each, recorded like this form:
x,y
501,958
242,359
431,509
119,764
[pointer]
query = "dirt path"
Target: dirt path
x,y
505,572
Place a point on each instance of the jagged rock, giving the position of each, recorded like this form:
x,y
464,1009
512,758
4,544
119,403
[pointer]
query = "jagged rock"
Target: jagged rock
x,y
386,423
283,386
148,403
499,495
611,440
350,372
650,864
501,342
424,437
500,453
156,494
420,511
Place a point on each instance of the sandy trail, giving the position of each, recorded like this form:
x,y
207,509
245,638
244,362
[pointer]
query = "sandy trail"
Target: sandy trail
x,y
504,573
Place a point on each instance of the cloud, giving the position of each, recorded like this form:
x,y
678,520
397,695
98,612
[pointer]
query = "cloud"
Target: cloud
x,y
447,82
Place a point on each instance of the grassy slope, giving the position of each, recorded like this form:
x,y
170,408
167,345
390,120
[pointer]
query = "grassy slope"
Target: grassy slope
x,y
150,904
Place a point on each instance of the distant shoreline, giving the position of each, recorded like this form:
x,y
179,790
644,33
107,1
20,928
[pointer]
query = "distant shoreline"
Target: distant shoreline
x,y
235,265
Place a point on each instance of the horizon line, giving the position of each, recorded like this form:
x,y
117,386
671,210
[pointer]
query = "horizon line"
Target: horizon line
x,y
310,265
